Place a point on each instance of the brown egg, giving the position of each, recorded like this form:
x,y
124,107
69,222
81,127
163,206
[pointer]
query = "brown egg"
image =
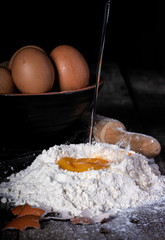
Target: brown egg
x,y
32,71
31,46
72,68
6,82
23,222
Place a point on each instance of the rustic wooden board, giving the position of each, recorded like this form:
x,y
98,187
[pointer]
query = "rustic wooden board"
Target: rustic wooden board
x,y
146,222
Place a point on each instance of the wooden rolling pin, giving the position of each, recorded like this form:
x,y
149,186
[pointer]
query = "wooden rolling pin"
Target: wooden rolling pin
x,y
112,131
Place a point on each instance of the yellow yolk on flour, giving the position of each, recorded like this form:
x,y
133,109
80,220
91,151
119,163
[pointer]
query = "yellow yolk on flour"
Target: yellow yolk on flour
x,y
82,164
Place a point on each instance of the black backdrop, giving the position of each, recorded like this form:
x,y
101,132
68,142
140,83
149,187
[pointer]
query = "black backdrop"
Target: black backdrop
x,y
134,34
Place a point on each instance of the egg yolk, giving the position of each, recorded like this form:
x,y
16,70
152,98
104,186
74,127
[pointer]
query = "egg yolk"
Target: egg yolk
x,y
82,164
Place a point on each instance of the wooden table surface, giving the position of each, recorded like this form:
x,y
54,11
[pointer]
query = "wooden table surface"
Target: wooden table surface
x,y
136,98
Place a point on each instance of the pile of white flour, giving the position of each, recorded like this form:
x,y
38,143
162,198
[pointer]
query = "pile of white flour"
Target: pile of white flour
x,y
130,181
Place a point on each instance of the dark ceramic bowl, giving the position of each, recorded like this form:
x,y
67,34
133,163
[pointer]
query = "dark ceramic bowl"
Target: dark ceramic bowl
x,y
36,117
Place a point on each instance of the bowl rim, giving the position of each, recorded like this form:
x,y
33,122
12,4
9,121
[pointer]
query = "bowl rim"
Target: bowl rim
x,y
53,92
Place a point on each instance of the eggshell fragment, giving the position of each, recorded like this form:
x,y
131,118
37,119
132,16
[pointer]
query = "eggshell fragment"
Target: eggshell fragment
x,y
72,68
28,46
27,210
16,210
81,220
6,82
23,222
32,71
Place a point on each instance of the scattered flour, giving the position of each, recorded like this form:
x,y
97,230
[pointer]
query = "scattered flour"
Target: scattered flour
x,y
130,181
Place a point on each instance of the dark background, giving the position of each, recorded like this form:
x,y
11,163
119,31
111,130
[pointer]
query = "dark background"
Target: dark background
x,y
134,35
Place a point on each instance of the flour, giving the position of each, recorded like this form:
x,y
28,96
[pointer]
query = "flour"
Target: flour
x,y
130,181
